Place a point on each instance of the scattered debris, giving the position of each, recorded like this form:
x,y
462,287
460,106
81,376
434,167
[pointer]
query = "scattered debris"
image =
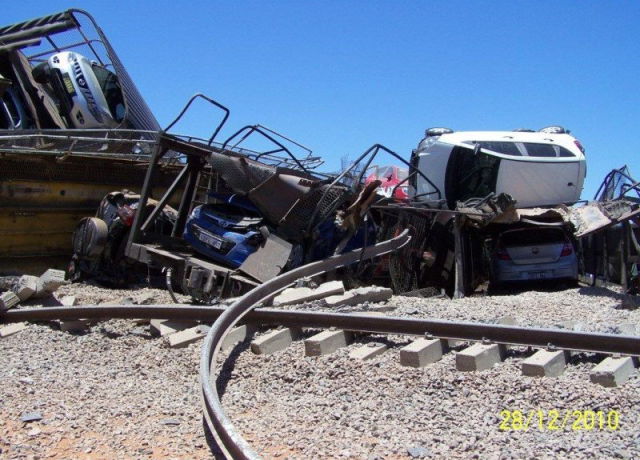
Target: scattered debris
x,y
146,298
298,295
371,294
74,325
8,300
29,417
27,286
164,327
184,338
170,421
419,452
11,329
68,300
49,282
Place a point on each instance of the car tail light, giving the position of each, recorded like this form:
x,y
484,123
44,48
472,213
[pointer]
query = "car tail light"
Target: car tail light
x,y
579,145
567,249
502,254
126,215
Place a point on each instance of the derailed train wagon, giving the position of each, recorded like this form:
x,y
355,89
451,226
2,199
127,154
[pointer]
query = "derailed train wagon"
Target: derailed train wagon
x,y
242,219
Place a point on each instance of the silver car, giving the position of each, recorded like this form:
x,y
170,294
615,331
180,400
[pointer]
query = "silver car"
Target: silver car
x,y
89,95
535,253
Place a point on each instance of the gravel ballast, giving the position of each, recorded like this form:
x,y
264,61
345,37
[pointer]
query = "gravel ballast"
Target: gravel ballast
x,y
116,391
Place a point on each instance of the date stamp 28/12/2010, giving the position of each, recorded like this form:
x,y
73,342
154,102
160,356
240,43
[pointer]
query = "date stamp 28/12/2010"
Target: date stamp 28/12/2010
x,y
559,420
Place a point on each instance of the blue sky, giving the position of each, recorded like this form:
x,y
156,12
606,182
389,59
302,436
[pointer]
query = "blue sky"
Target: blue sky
x,y
339,76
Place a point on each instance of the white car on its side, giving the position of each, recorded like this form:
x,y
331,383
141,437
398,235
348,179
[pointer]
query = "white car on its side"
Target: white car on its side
x,y
541,168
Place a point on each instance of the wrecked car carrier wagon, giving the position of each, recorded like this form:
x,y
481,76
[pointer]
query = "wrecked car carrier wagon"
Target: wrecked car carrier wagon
x,y
289,203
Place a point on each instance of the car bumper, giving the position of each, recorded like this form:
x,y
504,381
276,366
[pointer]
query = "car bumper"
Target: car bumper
x,y
511,272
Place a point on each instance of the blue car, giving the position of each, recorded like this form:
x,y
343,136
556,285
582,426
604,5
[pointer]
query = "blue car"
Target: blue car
x,y
225,232
228,232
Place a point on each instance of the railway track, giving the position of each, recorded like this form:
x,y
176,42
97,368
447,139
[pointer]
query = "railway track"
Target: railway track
x,y
224,319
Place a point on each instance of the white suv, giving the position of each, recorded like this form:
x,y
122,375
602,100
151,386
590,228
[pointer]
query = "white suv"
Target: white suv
x,y
542,168
88,95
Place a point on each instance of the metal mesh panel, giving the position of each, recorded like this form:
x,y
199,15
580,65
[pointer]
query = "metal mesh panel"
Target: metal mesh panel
x,y
404,263
299,219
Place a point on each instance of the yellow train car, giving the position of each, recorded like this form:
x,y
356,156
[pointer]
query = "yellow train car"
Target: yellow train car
x,y
42,198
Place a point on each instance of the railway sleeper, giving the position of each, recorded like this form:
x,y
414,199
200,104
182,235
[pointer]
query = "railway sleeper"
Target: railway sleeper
x,y
611,372
423,352
545,363
276,340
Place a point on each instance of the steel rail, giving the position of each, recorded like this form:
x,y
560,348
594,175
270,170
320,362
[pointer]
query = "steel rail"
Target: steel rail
x,y
230,442
357,322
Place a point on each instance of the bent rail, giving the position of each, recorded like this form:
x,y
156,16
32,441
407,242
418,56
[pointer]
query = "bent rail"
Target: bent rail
x,y
232,444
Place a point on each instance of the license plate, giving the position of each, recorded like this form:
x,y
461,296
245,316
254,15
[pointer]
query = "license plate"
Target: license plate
x,y
537,275
208,238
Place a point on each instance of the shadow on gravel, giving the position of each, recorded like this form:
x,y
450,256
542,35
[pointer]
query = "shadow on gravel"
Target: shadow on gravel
x,y
627,301
593,358
520,352
366,339
214,447
520,287
41,302
229,364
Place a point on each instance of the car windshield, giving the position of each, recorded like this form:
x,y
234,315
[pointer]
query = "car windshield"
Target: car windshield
x,y
111,90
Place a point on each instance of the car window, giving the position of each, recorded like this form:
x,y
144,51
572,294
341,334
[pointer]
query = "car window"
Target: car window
x,y
385,172
531,149
469,175
540,150
546,150
532,237
506,148
564,152
111,90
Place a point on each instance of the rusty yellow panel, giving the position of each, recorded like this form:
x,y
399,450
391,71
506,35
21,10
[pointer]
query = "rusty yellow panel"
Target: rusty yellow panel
x,y
54,194
25,193
36,243
14,221
42,199
32,265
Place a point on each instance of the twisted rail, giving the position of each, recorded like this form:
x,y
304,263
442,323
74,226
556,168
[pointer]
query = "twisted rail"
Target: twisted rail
x,y
233,445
